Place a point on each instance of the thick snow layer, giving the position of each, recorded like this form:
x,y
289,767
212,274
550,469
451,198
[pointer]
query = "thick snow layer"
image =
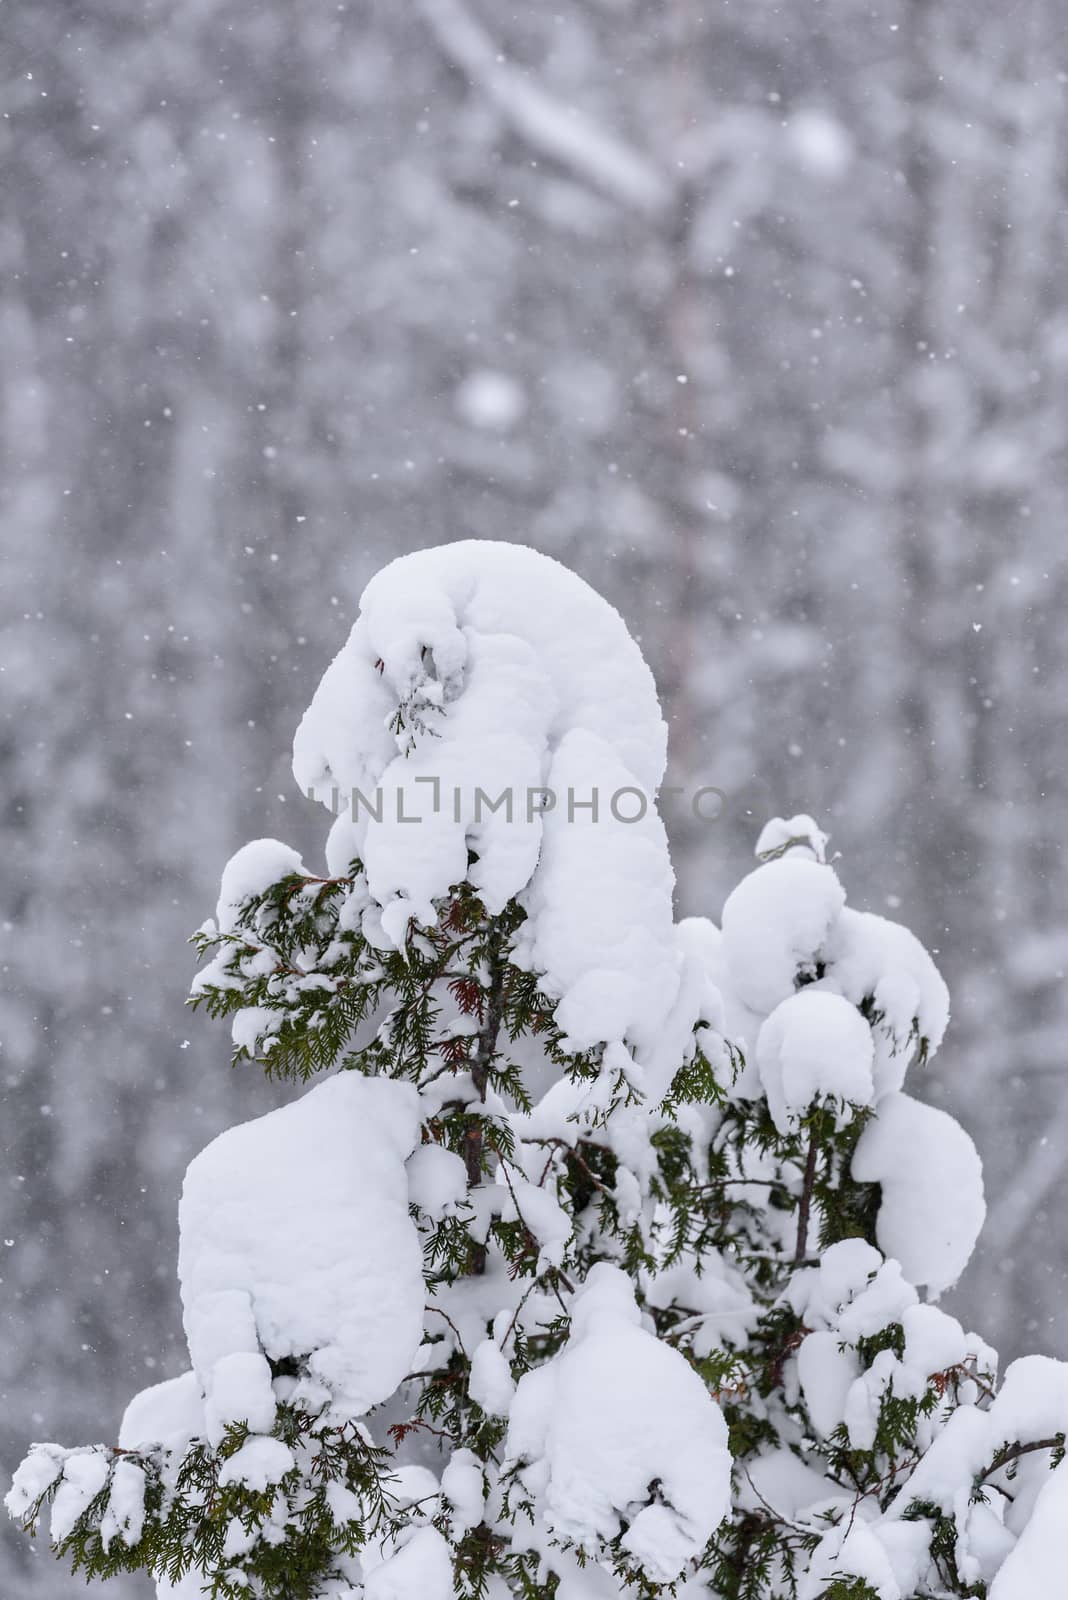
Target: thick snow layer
x,y
463,1486
848,1274
983,1541
614,1411
84,1475
420,1570
482,670
776,922
932,1206
871,958
296,1241
169,1413
813,1046
437,1179
933,1339
259,1463
249,872
951,1463
591,1582
421,616
852,1551
36,1473
933,1342
490,1383
79,1476
1031,1406
1032,1402
826,1373
1035,1566
601,924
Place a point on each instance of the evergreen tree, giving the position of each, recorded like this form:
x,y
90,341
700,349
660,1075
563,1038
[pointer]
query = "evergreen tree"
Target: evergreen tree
x,y
590,1267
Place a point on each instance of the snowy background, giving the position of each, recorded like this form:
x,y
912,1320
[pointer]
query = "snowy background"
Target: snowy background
x,y
752,315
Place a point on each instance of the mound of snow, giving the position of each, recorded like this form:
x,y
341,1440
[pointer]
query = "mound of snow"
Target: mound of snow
x,y
813,1046
869,958
296,1241
490,719
932,1205
169,1413
614,1411
250,871
776,923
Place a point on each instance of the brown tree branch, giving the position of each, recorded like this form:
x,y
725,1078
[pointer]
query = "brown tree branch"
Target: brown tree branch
x,y
485,1050
1013,1452
805,1204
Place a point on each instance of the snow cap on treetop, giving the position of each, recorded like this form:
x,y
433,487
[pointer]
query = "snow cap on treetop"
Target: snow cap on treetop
x,y
478,670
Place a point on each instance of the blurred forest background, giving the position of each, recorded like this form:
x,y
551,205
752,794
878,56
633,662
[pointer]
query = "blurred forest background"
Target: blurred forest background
x,y
753,313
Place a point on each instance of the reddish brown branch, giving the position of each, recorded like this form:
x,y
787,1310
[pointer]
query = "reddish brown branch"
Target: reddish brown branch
x,y
805,1204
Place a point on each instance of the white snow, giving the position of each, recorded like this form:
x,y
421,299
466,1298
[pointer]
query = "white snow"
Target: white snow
x,y
589,1582
437,1179
1018,1540
84,1475
932,1205
512,677
826,1373
36,1473
462,1486
613,1411
852,1551
601,923
792,835
853,1291
296,1241
719,1298
544,1216
563,660
491,710
1035,1566
871,958
776,922
259,1463
250,871
125,1515
952,1461
490,1383
813,1046
1032,1402
780,1481
420,1570
191,1587
169,1413
934,1341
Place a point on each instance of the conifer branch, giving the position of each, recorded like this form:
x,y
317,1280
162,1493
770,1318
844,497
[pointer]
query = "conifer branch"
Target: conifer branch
x,y
805,1203
485,1050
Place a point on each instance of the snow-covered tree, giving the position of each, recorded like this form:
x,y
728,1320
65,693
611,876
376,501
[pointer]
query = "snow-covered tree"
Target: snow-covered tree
x,y
592,1264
